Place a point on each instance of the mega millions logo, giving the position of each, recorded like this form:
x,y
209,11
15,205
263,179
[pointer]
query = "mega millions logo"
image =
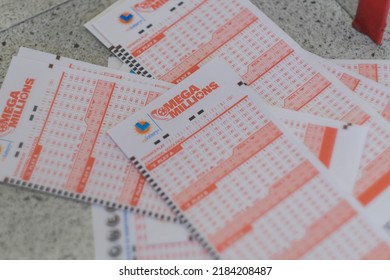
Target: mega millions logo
x,y
148,6
183,101
14,106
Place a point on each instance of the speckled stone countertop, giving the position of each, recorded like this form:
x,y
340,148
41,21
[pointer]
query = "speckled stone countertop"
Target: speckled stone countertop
x,y
40,226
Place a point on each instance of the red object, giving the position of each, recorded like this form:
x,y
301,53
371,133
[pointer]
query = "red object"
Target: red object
x,y
371,18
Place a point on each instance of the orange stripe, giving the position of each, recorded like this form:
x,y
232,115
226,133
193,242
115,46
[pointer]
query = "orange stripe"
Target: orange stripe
x,y
324,227
164,157
386,112
278,192
148,45
377,188
232,239
186,74
152,96
38,149
369,70
129,185
85,175
306,93
356,116
32,163
350,81
138,191
380,252
327,146
267,61
198,197
94,118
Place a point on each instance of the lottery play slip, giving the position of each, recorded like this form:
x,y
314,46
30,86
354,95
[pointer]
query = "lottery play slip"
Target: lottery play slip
x,y
169,40
53,132
242,185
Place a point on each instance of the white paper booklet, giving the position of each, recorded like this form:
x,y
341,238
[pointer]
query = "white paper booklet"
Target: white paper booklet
x,y
172,39
53,128
241,183
377,70
126,236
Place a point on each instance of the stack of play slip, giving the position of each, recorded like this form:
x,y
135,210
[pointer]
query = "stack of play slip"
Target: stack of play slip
x,y
56,115
248,180
170,40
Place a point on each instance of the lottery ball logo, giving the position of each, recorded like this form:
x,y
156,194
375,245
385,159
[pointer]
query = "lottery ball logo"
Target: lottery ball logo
x,y
142,127
4,129
148,6
161,114
126,18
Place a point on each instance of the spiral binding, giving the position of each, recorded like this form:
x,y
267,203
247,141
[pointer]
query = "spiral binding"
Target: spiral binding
x,y
175,209
86,199
129,60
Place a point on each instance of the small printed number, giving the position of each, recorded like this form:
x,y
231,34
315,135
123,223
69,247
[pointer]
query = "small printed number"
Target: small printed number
x,y
242,270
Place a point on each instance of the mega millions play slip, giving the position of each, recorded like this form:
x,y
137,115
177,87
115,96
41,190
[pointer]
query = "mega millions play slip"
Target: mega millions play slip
x,y
53,132
243,186
169,40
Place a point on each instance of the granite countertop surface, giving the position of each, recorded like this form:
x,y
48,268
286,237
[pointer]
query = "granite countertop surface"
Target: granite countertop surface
x,y
39,226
